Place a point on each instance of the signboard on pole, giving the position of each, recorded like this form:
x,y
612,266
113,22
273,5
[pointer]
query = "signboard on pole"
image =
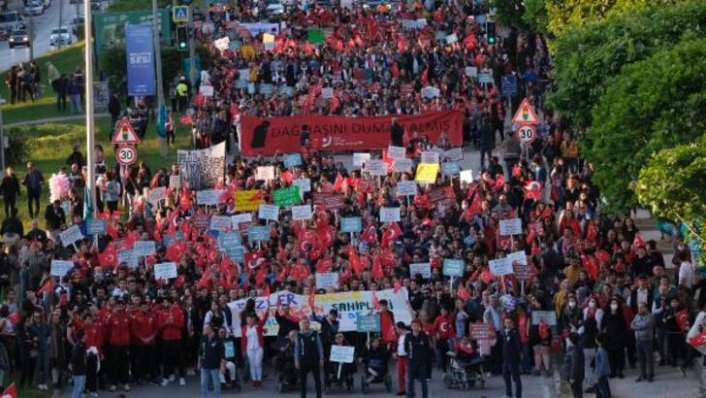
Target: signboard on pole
x,y
140,60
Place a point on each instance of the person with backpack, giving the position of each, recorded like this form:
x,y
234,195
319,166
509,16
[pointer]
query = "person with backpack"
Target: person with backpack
x,y
309,356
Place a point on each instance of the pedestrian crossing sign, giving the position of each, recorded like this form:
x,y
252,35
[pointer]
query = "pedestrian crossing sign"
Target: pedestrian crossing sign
x,y
180,14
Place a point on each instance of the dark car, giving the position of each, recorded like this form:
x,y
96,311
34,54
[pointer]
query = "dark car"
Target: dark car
x,y
19,38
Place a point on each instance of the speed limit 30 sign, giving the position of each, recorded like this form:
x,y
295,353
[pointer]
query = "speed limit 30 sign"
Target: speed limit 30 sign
x,y
126,155
526,133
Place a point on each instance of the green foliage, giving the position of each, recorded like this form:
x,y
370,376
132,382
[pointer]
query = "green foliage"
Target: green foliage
x,y
18,149
652,105
132,5
115,66
585,59
671,185
535,15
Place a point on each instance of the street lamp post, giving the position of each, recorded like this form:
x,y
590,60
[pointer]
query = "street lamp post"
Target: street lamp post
x,y
90,196
2,138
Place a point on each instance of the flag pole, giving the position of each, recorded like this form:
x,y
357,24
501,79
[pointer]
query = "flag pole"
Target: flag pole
x,y
90,197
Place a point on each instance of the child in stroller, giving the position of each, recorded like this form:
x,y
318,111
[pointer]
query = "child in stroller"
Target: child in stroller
x,y
339,374
287,374
375,360
465,365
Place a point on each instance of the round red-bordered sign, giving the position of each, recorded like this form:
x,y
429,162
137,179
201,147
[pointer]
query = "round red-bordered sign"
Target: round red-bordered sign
x,y
526,133
126,155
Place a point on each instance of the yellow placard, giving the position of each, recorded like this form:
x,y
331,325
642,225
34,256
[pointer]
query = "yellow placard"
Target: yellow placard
x,y
268,38
248,200
426,173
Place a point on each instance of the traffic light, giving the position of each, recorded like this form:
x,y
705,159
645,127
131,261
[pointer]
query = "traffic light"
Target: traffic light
x,y
490,32
182,37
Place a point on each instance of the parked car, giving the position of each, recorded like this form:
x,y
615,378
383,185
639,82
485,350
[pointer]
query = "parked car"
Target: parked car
x,y
19,38
60,36
35,7
76,25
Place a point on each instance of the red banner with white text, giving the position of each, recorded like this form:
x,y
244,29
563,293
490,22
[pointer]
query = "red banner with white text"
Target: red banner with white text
x,y
338,133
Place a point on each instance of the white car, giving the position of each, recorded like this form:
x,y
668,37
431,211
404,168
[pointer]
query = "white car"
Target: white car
x,y
36,7
60,36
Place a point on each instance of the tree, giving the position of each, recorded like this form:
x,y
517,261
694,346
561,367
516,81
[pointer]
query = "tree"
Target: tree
x,y
586,59
652,105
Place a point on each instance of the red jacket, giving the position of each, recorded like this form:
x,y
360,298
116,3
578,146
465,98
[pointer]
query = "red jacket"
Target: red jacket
x,y
171,328
94,336
260,333
143,326
118,328
444,326
387,327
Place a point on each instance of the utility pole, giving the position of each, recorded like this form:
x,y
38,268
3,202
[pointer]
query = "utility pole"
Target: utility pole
x,y
61,14
31,38
192,49
2,138
90,196
160,84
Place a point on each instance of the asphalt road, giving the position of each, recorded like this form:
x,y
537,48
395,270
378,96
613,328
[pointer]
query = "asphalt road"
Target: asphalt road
x,y
43,25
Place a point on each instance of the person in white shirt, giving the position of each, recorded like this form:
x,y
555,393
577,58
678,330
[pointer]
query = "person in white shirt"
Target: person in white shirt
x,y
401,356
686,274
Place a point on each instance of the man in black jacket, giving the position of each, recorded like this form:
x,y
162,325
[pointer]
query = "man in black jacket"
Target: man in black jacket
x,y
416,345
78,363
211,361
309,356
396,134
575,363
512,349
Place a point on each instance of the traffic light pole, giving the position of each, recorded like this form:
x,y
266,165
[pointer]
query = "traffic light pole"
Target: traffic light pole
x,y
192,49
158,65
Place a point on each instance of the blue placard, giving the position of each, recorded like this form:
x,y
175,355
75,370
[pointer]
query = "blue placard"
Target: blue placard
x,y
258,233
450,169
236,253
95,227
140,60
168,240
508,85
228,239
453,267
485,77
368,323
351,224
229,349
292,160
197,65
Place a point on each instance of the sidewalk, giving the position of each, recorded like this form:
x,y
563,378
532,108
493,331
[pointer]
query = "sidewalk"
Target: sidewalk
x,y
54,120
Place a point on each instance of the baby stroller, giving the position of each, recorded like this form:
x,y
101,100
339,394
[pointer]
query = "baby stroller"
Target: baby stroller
x,y
338,373
465,368
377,370
287,374
229,379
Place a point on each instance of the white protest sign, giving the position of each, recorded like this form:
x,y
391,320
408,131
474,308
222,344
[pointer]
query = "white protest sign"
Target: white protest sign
x,y
265,173
302,212
360,158
467,176
240,219
451,39
376,168
268,212
430,92
165,271
342,354
70,235
471,71
60,267
220,223
548,316
144,248
396,152
389,214
325,280
501,266
175,182
327,92
403,165
208,197
512,226
222,43
518,257
430,157
406,188
420,268
206,90
157,194
127,257
304,185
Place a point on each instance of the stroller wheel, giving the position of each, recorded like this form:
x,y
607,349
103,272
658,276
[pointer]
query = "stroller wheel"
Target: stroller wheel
x,y
448,382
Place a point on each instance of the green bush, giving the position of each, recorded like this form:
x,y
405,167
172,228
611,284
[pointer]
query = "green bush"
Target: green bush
x,y
18,150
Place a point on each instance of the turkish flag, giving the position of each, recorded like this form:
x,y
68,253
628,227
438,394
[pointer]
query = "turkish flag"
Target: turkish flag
x,y
14,317
377,268
109,256
354,260
699,342
253,259
324,265
463,293
638,242
176,251
48,287
10,392
533,190
391,234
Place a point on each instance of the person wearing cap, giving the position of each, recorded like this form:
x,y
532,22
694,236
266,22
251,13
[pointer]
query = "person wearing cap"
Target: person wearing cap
x,y
118,328
308,356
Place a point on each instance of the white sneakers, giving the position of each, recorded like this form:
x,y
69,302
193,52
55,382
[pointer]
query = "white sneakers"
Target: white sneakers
x,y
171,379
182,382
43,387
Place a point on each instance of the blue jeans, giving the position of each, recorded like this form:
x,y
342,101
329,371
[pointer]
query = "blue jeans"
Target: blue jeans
x,y
603,388
79,382
212,375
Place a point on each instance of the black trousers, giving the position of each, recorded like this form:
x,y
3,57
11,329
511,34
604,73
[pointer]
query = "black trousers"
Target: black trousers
x,y
119,364
92,373
304,370
143,362
616,359
33,202
9,204
577,388
173,358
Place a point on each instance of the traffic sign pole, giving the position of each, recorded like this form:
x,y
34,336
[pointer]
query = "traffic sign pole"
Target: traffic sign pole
x,y
158,66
